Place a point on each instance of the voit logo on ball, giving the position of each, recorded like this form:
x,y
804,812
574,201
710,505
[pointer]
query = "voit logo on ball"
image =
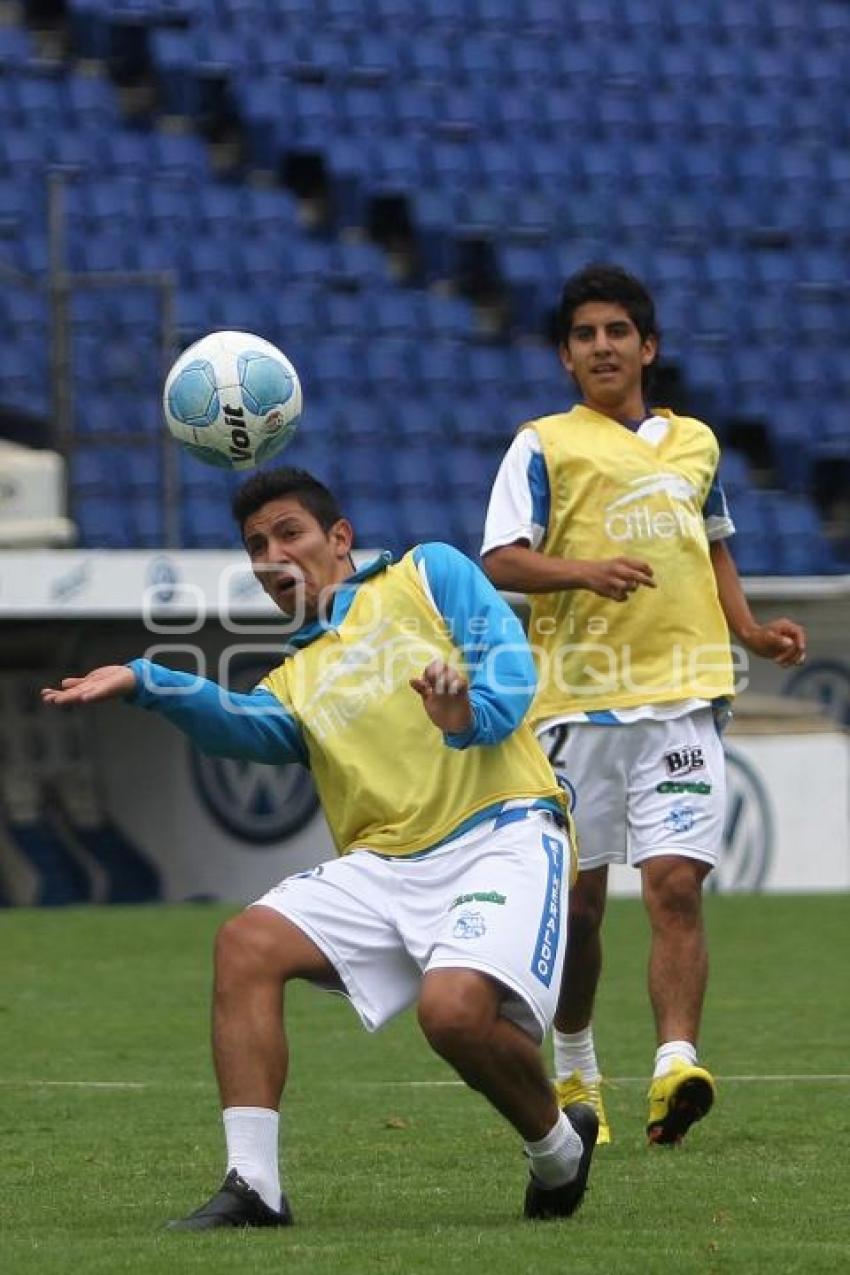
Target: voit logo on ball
x,y
258,804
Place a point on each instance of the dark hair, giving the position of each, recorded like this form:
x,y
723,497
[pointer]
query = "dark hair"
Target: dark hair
x,y
273,484
601,281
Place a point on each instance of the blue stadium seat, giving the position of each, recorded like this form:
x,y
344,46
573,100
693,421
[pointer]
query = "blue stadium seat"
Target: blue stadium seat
x,y
91,101
103,522
350,163
480,59
347,15
390,365
179,154
734,474
428,60
397,167
414,422
358,419
24,313
754,546
146,519
130,152
362,111
414,108
375,522
543,17
97,471
345,312
358,265
446,316
206,521
422,520
373,57
400,312
15,47
365,471
173,54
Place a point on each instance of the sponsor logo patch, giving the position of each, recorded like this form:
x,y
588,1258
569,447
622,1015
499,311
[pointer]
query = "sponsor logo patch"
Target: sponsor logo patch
x,y
685,760
478,896
680,819
469,925
694,786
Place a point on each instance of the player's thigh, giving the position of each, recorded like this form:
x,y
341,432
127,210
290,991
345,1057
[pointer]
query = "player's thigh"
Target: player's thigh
x,y
591,763
346,908
507,915
677,790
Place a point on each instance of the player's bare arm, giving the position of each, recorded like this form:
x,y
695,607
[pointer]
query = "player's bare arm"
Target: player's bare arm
x,y
782,640
518,567
445,697
112,681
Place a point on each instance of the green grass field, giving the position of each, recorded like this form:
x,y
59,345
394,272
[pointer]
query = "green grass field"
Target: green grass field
x,y
109,1119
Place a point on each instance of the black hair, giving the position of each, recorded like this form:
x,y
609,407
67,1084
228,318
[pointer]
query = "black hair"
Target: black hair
x,y
601,281
273,484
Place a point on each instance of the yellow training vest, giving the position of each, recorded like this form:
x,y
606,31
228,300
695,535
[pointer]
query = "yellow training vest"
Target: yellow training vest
x,y
613,495
386,779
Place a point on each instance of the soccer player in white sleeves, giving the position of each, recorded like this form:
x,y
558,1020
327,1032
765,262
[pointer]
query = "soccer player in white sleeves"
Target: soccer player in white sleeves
x,y
404,689
612,519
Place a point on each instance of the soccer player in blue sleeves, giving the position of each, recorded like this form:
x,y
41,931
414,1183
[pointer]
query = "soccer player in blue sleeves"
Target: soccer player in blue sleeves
x,y
611,517
404,689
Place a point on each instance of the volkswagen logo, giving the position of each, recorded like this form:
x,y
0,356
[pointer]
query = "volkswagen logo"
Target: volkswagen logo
x,y
162,579
257,804
827,682
747,832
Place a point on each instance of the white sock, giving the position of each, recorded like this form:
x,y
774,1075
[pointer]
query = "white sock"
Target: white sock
x,y
671,1049
251,1135
575,1051
554,1159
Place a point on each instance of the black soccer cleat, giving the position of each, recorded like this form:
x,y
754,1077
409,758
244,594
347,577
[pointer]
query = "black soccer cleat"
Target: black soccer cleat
x,y
235,1204
562,1201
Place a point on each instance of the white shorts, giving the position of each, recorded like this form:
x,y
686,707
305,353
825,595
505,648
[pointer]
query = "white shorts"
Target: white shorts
x,y
644,789
492,900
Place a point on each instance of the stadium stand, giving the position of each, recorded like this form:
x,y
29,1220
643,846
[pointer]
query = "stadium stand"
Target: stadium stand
x,y
392,192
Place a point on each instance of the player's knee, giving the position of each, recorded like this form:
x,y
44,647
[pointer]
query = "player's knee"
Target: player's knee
x,y
676,899
585,917
242,950
451,1022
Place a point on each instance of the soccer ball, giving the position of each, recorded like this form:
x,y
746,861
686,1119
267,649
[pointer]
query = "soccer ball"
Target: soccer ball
x,y
232,400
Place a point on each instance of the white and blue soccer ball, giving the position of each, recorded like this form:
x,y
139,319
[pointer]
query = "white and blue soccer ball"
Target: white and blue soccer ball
x,y
232,399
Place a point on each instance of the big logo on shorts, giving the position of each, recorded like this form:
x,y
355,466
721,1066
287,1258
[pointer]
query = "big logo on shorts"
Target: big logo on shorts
x,y
684,760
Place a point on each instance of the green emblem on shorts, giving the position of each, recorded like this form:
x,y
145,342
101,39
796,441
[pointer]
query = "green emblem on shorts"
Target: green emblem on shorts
x,y
478,896
683,785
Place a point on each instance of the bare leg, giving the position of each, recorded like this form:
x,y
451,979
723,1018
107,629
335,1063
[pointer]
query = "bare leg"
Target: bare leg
x,y
459,1015
678,959
257,953
583,961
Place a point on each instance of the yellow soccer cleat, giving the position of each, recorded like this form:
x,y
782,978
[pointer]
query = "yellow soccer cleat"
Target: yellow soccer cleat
x,y
576,1089
677,1100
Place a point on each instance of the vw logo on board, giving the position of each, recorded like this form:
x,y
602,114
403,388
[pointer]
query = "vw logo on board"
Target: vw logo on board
x,y
828,683
748,836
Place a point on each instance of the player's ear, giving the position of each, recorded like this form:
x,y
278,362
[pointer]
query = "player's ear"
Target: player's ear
x,y
341,536
564,356
649,351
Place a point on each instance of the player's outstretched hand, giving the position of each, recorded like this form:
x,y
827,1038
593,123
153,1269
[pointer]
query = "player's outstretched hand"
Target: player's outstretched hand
x,y
617,578
782,641
113,681
445,696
